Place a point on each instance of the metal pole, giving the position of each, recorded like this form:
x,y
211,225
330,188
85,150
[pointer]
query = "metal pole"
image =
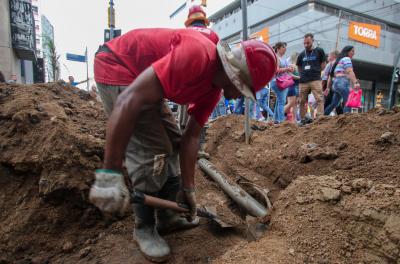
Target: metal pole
x,y
87,70
112,24
396,61
338,31
246,100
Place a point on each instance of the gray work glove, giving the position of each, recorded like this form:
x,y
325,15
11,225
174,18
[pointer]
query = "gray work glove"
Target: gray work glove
x,y
109,192
188,197
201,154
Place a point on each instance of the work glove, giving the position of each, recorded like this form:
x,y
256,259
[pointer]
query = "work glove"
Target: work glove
x,y
203,155
188,197
109,192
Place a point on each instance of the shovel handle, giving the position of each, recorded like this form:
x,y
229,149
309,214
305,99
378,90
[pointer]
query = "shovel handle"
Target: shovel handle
x,y
139,197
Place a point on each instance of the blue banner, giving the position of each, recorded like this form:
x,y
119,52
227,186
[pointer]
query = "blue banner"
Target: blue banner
x,y
75,57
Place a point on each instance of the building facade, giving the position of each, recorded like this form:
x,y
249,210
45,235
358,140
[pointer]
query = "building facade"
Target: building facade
x,y
371,26
17,40
38,64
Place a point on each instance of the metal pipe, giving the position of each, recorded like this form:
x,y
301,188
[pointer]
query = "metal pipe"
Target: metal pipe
x,y
396,61
87,70
244,18
240,196
338,31
247,120
246,100
112,20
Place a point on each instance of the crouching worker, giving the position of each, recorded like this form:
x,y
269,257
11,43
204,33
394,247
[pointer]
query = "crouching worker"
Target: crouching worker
x,y
134,73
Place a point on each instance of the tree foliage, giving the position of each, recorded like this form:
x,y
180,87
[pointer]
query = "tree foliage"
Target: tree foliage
x,y
53,58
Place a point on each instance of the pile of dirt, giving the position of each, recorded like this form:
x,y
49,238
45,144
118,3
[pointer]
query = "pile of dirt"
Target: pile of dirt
x,y
334,186
51,140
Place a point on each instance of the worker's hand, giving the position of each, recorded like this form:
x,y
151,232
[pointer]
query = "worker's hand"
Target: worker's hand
x,y
109,192
188,197
201,154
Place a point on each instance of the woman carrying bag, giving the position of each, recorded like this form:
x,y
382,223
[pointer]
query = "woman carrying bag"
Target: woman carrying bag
x,y
293,91
342,75
282,79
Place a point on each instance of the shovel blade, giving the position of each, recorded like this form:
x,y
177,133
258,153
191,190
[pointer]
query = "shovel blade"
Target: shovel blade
x,y
210,213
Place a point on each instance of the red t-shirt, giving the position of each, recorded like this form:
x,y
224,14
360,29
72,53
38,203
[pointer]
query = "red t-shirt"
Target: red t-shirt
x,y
208,33
183,60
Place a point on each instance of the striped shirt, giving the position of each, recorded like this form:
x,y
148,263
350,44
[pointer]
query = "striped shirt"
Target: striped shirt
x,y
343,65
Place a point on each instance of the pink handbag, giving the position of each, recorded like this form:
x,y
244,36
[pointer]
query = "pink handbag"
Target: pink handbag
x,y
284,81
354,99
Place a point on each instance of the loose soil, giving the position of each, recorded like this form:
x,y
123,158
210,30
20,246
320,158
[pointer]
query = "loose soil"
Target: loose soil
x,y
334,186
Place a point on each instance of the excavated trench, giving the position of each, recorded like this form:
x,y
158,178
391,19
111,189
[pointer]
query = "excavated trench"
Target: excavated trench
x,y
334,186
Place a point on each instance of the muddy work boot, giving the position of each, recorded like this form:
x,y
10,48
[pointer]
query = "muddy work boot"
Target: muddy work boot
x,y
151,244
168,220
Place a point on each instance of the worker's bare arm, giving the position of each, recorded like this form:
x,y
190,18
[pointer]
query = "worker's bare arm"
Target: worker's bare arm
x,y
188,152
146,89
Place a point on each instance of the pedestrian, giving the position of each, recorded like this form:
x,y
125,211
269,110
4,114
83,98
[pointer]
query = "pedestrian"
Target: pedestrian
x,y
219,110
2,79
310,63
183,66
197,20
230,106
328,93
342,75
311,107
71,81
263,103
283,68
293,91
13,79
239,106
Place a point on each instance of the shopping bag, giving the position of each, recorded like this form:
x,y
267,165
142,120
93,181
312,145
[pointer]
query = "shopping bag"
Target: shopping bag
x,y
284,81
354,99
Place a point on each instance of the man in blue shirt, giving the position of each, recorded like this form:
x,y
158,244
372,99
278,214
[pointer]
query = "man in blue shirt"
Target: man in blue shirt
x,y
72,81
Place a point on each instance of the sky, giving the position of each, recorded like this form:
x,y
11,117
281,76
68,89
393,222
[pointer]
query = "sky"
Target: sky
x,y
80,23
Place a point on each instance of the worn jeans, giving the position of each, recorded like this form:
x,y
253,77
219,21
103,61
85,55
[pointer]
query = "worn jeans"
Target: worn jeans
x,y
220,108
239,106
281,95
328,101
151,156
262,100
341,90
254,110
